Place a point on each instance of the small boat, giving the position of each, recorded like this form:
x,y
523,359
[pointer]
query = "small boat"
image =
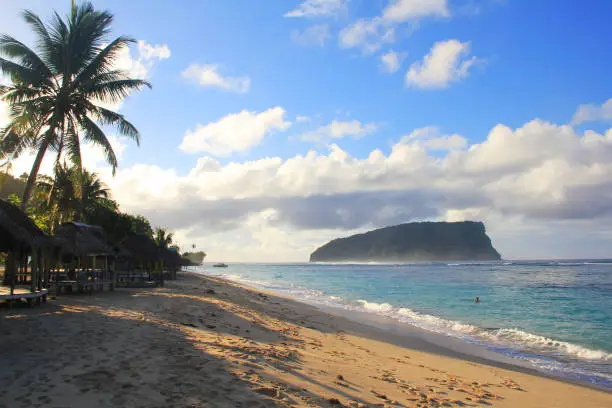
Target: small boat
x,y
220,265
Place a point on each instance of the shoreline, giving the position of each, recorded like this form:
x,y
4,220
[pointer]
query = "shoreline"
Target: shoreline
x,y
407,335
202,341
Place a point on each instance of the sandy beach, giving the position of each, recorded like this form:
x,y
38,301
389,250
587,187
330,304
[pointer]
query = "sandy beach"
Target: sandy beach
x,y
203,342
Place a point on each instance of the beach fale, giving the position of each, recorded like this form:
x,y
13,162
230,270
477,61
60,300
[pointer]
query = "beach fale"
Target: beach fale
x,y
28,251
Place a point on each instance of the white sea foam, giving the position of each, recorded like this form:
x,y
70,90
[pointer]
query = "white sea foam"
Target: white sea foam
x,y
376,307
504,336
511,341
541,343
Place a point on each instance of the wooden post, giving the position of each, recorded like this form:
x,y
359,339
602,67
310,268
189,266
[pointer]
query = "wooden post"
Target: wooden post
x,y
33,269
10,270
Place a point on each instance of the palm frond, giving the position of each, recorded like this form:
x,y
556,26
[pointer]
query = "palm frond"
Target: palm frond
x,y
13,48
19,73
87,31
114,91
94,134
44,42
123,126
103,61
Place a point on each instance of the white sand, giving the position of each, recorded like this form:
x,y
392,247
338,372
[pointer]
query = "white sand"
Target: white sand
x,y
180,346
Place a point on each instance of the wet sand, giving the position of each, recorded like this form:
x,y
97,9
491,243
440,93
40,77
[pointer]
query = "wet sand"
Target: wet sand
x,y
203,342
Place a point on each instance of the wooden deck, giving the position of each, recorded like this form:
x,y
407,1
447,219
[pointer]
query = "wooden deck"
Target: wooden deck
x,y
24,293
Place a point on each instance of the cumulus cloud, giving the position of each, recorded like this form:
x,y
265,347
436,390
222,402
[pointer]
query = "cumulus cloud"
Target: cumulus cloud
x,y
237,132
539,174
447,62
318,8
430,138
390,62
92,156
338,130
142,64
593,113
314,35
151,52
370,34
403,10
208,76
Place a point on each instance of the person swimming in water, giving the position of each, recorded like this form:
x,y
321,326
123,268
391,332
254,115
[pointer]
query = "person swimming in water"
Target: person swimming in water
x,y
476,299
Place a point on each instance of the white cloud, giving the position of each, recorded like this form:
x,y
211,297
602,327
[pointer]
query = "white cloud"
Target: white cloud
x,y
446,62
338,130
93,158
593,113
314,35
404,10
318,8
391,61
141,65
236,132
152,52
208,76
430,138
539,176
302,119
370,34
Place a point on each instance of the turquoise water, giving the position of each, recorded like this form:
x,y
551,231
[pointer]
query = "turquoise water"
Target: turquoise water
x,y
557,316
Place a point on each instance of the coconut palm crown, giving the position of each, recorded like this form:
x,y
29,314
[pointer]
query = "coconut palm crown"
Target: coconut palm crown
x,y
57,95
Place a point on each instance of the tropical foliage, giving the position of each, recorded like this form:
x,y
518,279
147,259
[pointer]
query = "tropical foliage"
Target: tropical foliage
x,y
163,239
59,94
58,99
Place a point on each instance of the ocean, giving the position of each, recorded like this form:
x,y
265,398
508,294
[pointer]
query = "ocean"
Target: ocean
x,y
555,316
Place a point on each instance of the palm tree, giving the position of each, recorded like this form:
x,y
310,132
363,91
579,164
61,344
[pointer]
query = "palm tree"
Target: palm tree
x,y
92,191
62,200
56,97
163,239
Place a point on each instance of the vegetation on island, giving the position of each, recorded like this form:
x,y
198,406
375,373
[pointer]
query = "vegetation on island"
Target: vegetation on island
x,y
60,97
417,241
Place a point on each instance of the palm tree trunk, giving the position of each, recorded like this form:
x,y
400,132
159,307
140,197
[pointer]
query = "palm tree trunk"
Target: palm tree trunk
x,y
33,174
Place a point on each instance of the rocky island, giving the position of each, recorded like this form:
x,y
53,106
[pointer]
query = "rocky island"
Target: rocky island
x,y
417,241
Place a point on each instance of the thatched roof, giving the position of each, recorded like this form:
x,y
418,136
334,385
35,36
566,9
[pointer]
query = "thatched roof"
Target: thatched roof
x,y
141,247
17,229
83,239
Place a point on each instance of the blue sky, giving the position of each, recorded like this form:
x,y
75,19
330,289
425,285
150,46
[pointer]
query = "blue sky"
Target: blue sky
x,y
498,62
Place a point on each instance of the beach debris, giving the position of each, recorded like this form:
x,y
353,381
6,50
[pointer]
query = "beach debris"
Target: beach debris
x,y
210,291
188,324
339,377
334,401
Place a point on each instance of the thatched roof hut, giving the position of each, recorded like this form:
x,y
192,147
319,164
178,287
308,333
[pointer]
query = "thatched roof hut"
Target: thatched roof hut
x,y
21,239
141,247
83,239
17,230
